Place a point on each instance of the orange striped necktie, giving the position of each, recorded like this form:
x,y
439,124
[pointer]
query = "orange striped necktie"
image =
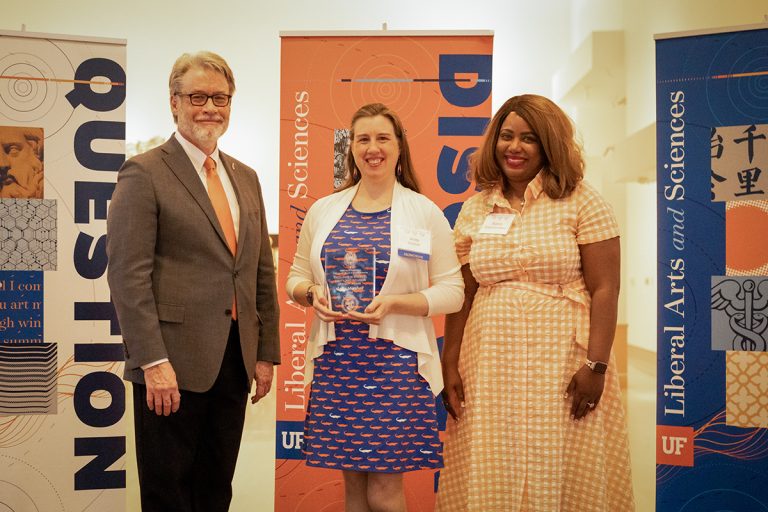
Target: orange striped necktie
x,y
221,207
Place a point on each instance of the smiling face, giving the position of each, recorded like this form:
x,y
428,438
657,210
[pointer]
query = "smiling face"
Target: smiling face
x,y
202,126
518,151
375,148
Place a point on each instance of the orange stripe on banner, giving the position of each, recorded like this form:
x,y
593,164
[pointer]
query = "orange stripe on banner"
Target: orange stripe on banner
x,y
740,75
63,80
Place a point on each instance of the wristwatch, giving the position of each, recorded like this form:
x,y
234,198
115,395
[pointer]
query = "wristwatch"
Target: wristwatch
x,y
596,366
310,296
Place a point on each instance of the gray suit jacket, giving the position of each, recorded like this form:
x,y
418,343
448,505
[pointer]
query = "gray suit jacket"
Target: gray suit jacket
x,y
171,273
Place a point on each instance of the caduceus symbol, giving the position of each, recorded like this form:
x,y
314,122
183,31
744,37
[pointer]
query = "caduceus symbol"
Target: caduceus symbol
x,y
747,307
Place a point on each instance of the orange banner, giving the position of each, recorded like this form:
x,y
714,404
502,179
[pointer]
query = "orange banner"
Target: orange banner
x,y
440,86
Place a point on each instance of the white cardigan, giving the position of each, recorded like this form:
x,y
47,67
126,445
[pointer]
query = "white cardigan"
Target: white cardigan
x,y
438,279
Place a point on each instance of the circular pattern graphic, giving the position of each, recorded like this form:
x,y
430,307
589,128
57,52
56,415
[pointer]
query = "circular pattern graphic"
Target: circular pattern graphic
x,y
26,93
24,487
13,498
388,78
34,78
725,500
738,84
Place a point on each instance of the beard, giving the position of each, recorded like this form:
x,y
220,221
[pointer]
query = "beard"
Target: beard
x,y
203,134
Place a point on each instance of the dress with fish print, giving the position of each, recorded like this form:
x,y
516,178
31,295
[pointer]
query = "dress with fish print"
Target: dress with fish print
x,y
369,409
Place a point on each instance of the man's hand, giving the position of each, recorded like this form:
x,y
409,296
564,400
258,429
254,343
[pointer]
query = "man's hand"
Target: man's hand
x,y
263,378
162,389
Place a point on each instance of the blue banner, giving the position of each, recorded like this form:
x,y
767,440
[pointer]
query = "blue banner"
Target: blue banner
x,y
712,178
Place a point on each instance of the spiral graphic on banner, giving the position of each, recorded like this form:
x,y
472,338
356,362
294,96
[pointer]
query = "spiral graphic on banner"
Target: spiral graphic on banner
x,y
26,94
365,76
743,81
386,80
33,85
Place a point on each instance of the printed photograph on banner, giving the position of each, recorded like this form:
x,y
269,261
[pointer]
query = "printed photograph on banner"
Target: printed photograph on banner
x,y
340,148
739,155
21,162
740,313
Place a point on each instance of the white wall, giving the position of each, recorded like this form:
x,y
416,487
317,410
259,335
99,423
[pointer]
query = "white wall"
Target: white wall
x,y
531,39
607,84
644,18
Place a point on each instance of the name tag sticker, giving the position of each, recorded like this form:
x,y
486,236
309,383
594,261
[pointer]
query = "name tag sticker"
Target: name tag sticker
x,y
497,223
414,243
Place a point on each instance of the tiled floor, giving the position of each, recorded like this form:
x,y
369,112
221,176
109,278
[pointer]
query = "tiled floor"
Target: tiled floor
x,y
254,478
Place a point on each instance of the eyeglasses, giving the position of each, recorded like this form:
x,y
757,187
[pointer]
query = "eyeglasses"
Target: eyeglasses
x,y
199,99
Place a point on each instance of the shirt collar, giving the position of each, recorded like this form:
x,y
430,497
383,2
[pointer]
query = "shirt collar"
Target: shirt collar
x,y
196,156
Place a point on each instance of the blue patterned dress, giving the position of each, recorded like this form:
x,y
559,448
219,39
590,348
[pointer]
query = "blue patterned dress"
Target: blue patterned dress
x,y
369,408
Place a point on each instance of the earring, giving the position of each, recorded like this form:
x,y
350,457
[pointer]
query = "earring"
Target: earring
x,y
398,170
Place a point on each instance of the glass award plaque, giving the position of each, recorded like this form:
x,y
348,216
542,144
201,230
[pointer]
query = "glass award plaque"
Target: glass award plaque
x,y
351,276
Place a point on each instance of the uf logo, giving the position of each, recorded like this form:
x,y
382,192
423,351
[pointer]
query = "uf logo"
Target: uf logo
x,y
289,440
674,445
293,440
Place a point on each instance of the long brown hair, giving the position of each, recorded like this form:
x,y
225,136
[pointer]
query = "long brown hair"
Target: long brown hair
x,y
562,161
405,174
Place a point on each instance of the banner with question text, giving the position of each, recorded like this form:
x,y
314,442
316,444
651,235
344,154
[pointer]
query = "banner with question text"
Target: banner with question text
x,y
62,400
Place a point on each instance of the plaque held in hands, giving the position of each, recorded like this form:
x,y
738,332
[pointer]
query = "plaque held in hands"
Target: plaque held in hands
x,y
351,276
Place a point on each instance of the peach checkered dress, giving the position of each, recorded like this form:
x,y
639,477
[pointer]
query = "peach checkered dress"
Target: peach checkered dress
x,y
516,447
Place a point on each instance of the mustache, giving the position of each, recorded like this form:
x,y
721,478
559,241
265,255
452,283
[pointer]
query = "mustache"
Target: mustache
x,y
214,117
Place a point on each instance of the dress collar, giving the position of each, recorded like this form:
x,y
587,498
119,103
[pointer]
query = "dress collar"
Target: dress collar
x,y
495,196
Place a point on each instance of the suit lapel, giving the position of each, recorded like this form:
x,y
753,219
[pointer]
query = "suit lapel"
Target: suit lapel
x,y
178,162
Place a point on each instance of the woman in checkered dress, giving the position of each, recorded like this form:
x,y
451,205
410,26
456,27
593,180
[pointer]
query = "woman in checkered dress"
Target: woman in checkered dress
x,y
539,423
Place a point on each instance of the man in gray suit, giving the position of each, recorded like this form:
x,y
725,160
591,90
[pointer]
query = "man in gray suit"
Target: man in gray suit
x,y
192,280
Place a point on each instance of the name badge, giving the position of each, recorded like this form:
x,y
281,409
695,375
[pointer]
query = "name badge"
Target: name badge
x,y
497,223
414,243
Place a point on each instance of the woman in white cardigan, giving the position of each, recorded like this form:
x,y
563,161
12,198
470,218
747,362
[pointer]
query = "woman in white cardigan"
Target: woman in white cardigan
x,y
375,368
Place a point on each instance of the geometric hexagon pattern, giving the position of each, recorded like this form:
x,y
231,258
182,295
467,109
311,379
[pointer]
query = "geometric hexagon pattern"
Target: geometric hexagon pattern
x,y
27,234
